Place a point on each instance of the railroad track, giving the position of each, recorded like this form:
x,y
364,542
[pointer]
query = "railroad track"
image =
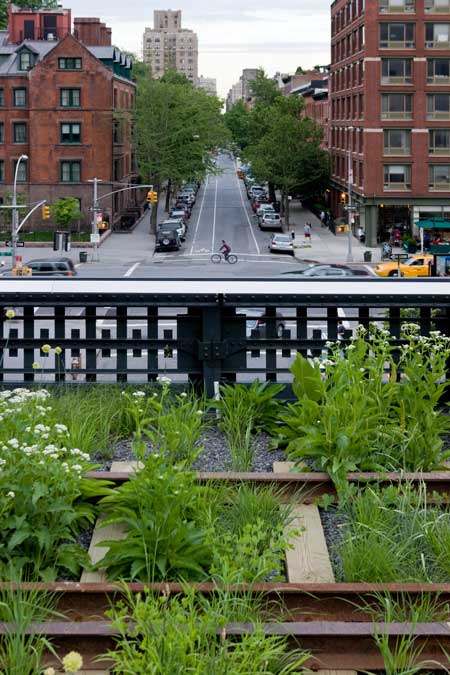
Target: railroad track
x,y
329,619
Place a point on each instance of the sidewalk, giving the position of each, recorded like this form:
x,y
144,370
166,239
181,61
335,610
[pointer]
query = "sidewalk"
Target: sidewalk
x,y
325,246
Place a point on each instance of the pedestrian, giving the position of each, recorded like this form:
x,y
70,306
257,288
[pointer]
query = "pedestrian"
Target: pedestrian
x,y
307,231
361,235
323,217
293,235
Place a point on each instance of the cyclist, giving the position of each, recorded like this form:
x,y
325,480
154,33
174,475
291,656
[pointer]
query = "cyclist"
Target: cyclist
x,y
225,249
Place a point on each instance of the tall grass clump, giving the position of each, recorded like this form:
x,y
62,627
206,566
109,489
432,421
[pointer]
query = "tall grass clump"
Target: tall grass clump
x,y
179,635
390,535
244,411
370,406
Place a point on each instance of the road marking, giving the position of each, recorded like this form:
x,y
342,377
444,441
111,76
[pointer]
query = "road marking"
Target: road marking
x,y
246,214
199,214
214,217
131,269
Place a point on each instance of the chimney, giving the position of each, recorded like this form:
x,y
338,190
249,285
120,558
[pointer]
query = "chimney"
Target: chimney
x,y
91,31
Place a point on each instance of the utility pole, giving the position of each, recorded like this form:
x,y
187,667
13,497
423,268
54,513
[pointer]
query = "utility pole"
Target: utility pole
x,y
15,214
349,207
95,210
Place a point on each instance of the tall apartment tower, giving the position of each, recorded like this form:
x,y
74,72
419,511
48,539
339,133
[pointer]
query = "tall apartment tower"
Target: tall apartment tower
x,y
168,46
390,112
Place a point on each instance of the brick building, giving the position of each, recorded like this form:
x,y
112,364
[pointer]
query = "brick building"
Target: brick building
x,y
390,111
59,93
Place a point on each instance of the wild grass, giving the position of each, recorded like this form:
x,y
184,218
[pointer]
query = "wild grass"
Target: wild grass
x,y
188,634
394,534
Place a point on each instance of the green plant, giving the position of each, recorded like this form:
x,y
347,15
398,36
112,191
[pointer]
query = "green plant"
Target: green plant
x,y
43,495
179,635
65,211
21,647
244,411
350,417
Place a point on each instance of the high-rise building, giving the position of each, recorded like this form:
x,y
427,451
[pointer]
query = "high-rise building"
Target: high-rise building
x,y
209,84
241,91
390,112
60,97
168,46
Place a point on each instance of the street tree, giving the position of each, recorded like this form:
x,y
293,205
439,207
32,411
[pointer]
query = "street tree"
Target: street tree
x,y
237,121
264,89
65,211
177,126
3,14
289,154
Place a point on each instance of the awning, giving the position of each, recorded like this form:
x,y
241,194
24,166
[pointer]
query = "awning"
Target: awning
x,y
434,224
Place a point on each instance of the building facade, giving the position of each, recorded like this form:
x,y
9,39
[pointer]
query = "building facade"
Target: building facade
x,y
390,111
58,99
241,90
209,84
168,46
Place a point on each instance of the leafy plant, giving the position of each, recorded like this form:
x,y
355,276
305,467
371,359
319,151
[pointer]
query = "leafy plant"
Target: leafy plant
x,y
179,635
351,417
244,411
65,211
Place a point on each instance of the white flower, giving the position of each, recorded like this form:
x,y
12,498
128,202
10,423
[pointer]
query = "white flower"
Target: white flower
x,y
60,428
199,412
77,467
14,442
163,379
11,494
139,394
183,394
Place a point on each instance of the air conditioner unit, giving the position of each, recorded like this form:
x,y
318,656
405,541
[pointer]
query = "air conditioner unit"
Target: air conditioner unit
x,y
50,37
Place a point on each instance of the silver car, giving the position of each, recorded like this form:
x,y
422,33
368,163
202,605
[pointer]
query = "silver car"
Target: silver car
x,y
270,221
281,243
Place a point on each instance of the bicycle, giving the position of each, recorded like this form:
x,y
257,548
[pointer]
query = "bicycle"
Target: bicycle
x,y
231,258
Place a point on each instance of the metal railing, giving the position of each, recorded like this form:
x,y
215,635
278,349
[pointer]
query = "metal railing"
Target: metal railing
x,y
205,332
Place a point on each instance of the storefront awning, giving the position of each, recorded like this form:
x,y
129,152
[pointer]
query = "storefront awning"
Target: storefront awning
x,y
434,224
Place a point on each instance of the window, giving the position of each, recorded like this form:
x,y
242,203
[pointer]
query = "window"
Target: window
x,y
26,60
69,63
397,141
70,132
437,35
396,35
2,132
70,98
437,6
396,106
20,98
397,177
20,132
396,6
440,177
22,172
396,71
438,71
439,141
71,171
438,106
2,170
2,98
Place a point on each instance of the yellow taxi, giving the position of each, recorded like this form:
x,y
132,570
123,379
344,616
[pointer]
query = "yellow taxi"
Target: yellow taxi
x,y
416,266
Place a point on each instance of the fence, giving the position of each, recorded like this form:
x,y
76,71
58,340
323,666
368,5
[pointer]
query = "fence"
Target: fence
x,y
204,331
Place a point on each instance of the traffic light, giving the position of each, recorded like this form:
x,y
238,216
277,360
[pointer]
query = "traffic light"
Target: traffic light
x,y
152,197
343,197
45,212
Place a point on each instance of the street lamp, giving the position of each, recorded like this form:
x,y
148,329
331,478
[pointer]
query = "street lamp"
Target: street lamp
x,y
15,212
349,203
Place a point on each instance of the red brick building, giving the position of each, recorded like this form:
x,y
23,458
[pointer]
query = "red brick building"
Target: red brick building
x,y
390,110
66,103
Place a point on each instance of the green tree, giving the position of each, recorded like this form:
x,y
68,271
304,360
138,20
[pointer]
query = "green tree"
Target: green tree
x,y
264,89
177,126
3,14
65,211
289,154
35,4
237,121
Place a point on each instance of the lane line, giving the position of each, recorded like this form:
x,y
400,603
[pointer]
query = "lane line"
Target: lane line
x,y
199,214
131,269
214,217
247,216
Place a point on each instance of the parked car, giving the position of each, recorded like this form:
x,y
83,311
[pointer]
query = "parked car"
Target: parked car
x,y
270,221
179,213
188,197
415,266
45,267
255,190
257,201
330,271
264,207
178,223
167,239
281,243
185,206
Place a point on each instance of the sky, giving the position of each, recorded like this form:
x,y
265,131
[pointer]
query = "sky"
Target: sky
x,y
233,34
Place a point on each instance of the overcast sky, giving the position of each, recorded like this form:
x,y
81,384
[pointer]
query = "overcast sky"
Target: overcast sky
x,y
233,34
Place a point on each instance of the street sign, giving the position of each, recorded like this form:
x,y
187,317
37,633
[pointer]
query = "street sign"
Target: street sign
x,y
6,253
19,243
95,238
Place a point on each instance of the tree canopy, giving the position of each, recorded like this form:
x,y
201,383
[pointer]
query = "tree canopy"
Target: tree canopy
x,y
65,211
